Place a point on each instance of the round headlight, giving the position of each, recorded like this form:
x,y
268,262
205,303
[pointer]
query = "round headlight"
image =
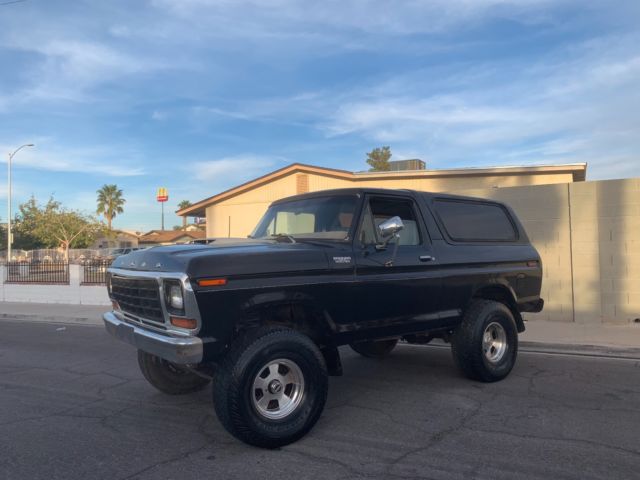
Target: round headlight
x,y
175,297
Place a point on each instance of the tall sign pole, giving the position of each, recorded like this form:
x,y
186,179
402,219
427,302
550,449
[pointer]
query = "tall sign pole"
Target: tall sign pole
x,y
162,196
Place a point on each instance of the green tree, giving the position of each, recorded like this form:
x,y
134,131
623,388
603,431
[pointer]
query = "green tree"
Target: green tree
x,y
26,224
378,159
53,226
71,229
110,202
184,204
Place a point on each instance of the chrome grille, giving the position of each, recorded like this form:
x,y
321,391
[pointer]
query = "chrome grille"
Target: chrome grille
x,y
138,296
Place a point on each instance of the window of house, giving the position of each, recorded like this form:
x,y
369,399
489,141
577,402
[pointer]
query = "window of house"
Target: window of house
x,y
468,221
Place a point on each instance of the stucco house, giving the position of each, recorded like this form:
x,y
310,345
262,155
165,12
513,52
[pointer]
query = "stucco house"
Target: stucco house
x,y
235,212
116,239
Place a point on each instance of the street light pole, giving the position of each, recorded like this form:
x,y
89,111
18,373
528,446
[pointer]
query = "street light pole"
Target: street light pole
x,y
9,236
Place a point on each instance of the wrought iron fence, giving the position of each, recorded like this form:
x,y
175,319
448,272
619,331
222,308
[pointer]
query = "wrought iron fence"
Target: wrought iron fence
x,y
36,271
73,255
94,271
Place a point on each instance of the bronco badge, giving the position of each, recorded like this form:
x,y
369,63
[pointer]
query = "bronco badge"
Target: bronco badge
x,y
342,259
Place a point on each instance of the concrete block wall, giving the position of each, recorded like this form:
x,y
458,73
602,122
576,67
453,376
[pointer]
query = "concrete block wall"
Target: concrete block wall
x,y
74,293
618,220
587,236
587,233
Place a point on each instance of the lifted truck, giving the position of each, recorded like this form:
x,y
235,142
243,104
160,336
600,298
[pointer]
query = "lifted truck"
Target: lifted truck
x,y
264,316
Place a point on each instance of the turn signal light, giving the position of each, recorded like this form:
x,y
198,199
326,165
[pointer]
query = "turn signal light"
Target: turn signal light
x,y
183,322
532,263
212,282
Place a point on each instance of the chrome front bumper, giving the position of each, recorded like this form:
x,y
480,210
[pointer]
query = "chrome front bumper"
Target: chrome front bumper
x,y
175,349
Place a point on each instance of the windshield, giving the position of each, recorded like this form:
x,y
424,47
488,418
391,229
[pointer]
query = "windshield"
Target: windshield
x,y
320,218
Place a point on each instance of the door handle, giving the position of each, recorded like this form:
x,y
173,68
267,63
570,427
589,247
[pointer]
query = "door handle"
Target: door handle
x,y
427,258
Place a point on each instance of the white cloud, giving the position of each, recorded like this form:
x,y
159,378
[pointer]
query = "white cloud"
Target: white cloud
x,y
63,58
47,155
583,109
234,169
297,109
159,115
269,18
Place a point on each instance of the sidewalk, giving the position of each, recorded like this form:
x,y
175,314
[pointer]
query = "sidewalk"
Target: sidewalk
x,y
52,313
625,336
609,340
575,338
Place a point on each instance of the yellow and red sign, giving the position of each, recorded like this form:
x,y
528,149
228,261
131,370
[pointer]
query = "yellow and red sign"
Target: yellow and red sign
x,y
162,195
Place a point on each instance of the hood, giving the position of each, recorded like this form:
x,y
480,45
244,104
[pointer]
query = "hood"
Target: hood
x,y
226,257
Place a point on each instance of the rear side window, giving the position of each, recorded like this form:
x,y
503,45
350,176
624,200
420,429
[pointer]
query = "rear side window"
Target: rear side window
x,y
467,221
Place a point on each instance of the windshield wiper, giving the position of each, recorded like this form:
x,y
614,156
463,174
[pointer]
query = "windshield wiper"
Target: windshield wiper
x,y
282,236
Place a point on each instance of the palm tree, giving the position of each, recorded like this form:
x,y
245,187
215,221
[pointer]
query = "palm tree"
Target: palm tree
x,y
184,204
110,202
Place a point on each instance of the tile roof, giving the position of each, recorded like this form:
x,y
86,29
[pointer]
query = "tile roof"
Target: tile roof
x,y
170,236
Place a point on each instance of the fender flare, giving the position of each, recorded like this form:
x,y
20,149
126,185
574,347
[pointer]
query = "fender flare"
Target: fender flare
x,y
500,292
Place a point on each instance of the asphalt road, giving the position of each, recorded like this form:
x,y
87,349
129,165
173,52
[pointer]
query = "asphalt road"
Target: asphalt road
x,y
74,406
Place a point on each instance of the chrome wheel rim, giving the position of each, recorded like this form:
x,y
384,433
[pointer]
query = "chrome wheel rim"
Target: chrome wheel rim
x,y
494,342
278,389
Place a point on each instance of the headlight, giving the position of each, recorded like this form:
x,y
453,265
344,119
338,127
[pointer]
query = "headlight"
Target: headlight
x,y
173,296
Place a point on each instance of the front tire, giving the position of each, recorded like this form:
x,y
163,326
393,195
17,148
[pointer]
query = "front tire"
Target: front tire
x,y
374,348
485,345
271,387
169,378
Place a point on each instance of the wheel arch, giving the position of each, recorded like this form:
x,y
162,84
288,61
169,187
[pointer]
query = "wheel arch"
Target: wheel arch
x,y
293,309
503,294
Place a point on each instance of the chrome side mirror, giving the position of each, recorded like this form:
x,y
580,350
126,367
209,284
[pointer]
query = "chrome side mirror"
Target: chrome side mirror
x,y
388,230
390,227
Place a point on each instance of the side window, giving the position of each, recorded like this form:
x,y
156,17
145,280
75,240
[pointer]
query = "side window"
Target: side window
x,y
380,209
367,232
467,221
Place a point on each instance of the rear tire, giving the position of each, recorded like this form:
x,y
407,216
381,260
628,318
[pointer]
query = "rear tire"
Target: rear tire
x,y
168,377
374,348
271,387
485,345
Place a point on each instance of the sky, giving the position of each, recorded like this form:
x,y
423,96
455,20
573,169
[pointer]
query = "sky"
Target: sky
x,y
200,95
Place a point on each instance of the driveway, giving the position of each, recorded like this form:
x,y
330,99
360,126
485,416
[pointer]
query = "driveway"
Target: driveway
x,y
73,405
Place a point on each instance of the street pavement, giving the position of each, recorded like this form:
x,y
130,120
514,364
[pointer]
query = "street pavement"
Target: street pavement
x,y
73,405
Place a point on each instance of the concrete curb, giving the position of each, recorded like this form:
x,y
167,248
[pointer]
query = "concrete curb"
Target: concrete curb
x,y
594,351
608,351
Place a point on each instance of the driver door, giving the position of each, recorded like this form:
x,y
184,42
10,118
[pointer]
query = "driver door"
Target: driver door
x,y
406,291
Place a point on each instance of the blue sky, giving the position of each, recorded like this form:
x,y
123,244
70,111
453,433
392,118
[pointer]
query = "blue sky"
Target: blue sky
x,y
199,95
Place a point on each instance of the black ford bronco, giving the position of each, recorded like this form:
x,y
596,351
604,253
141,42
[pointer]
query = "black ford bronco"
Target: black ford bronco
x,y
264,316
